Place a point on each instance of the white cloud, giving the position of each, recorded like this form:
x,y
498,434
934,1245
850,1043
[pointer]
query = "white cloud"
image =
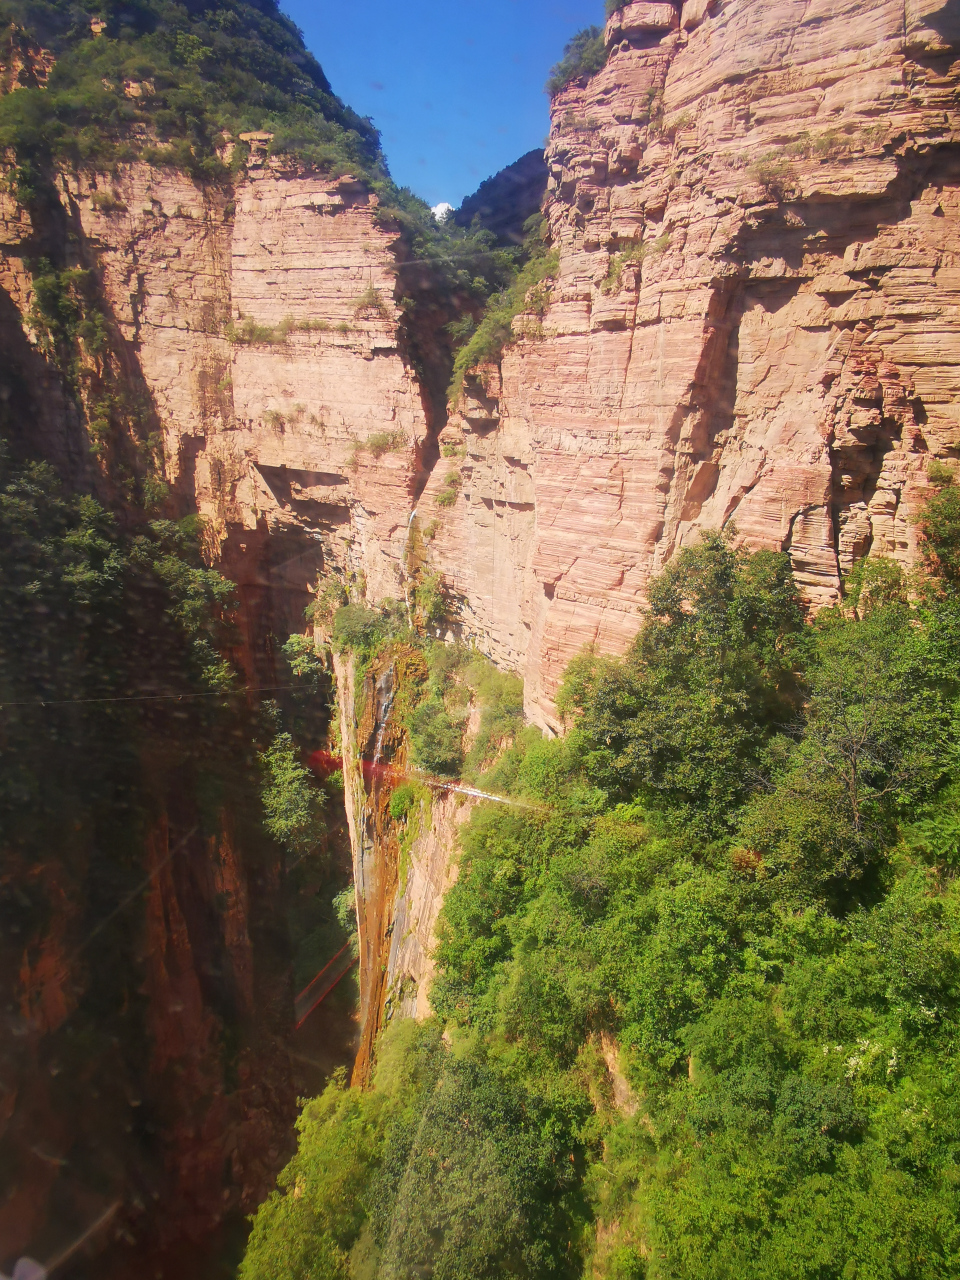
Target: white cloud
x,y
442,211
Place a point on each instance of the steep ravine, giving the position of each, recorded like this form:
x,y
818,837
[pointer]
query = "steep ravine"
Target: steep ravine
x,y
257,338
754,323
402,869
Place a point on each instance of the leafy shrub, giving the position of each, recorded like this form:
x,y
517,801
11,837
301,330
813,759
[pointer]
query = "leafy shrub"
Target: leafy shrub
x,y
939,525
356,627
776,176
430,600
500,697
583,55
371,300
331,595
292,802
446,496
687,717
250,333
402,800
634,253
304,660
107,202
436,742
382,442
345,908
873,582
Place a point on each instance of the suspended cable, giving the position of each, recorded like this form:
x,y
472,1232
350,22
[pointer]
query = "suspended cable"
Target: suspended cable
x,y
150,697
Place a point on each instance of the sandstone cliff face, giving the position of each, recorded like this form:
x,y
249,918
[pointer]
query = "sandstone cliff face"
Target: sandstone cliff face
x,y
754,323
264,323
755,320
402,869
427,872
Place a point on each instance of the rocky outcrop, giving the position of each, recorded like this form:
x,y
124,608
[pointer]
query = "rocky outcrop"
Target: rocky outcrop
x,y
427,870
754,323
264,321
403,865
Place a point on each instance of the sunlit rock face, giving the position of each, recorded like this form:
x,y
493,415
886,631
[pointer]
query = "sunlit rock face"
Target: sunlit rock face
x,y
754,323
264,321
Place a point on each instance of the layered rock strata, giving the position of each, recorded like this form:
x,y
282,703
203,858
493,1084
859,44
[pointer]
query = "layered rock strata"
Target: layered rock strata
x,y
754,324
253,330
427,871
263,320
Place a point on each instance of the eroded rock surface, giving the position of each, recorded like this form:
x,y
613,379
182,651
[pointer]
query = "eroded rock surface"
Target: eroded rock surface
x,y
264,321
755,320
754,324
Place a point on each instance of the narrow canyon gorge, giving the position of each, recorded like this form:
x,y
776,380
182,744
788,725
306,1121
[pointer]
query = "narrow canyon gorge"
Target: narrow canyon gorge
x,y
751,323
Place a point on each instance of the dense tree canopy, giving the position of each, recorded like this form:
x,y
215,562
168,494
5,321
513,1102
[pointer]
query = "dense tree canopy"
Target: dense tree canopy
x,y
700,990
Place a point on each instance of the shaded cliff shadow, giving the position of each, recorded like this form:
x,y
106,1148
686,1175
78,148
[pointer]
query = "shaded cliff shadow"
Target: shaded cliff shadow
x,y
709,415
274,571
946,21
37,419
190,1146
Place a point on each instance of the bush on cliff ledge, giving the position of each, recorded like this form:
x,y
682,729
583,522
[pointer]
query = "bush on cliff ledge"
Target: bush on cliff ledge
x,y
583,55
187,75
495,329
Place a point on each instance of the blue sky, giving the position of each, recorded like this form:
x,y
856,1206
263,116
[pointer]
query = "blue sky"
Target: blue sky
x,y
455,86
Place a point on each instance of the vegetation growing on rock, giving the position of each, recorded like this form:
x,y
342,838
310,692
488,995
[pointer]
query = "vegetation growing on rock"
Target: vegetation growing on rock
x,y
526,292
699,994
191,76
177,86
583,55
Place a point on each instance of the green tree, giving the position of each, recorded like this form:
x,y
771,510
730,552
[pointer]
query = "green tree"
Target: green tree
x,y
878,738
291,799
675,1057
436,742
686,717
306,1229
583,55
485,1187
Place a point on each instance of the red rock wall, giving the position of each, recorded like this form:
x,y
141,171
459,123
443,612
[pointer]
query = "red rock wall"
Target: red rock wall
x,y
264,434
245,317
754,322
777,350
144,1076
